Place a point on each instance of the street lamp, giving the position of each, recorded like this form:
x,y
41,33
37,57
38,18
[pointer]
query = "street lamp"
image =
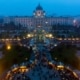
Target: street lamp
x,y
29,35
50,35
8,47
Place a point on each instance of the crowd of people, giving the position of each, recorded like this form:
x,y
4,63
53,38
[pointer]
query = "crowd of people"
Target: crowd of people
x,y
41,69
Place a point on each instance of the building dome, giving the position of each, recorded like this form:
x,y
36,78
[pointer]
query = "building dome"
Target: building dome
x,y
39,7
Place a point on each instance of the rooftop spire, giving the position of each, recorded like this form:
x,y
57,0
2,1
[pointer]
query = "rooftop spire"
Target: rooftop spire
x,y
39,7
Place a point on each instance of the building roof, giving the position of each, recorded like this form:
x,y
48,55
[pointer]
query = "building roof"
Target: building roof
x,y
39,7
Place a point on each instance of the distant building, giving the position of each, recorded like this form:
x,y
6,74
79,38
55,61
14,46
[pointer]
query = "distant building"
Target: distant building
x,y
39,20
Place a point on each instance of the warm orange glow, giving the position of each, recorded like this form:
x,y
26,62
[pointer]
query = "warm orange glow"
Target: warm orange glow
x,y
60,38
50,62
77,38
75,74
50,35
14,69
69,38
3,39
29,35
60,67
22,66
65,38
8,74
8,47
46,35
73,39
23,70
18,39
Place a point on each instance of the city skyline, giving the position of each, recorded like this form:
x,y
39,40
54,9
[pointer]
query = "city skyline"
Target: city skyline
x,y
26,8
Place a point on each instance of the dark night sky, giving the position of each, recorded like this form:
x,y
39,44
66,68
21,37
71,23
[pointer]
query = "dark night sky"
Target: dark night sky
x,y
26,7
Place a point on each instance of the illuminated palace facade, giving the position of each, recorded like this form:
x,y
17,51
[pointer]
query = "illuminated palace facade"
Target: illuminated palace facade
x,y
39,20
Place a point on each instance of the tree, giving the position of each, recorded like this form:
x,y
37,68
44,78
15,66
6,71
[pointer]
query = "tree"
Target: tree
x,y
66,54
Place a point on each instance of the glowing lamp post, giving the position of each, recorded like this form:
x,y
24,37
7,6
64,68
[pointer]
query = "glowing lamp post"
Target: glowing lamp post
x,y
29,36
8,47
50,36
